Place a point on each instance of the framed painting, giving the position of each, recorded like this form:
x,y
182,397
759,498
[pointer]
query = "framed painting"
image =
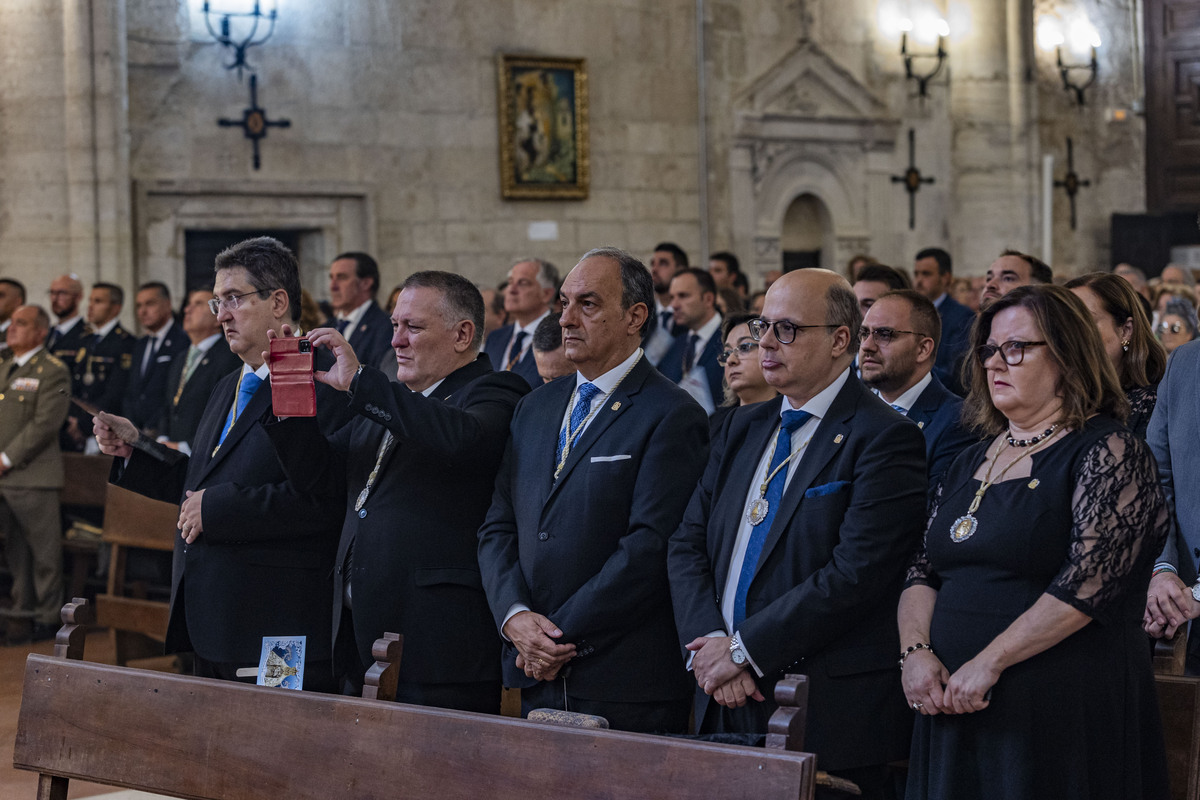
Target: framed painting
x,y
543,128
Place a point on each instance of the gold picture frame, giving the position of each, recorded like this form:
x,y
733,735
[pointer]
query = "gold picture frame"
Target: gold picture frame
x,y
543,105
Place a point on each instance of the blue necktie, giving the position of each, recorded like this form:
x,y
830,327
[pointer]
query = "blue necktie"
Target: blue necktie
x,y
899,408
341,325
689,355
246,388
514,352
578,414
774,496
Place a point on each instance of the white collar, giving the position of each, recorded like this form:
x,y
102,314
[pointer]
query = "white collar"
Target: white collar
x,y
609,380
205,344
531,327
941,297
67,324
707,330
819,404
22,360
107,328
910,395
356,315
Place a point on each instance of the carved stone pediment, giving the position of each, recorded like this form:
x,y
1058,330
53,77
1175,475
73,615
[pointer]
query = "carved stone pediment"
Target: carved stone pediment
x,y
808,96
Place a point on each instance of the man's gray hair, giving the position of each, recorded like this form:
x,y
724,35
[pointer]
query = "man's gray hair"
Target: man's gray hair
x,y
460,298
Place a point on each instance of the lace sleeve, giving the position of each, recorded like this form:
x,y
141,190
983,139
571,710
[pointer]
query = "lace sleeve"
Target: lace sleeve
x,y
1141,406
1120,523
920,571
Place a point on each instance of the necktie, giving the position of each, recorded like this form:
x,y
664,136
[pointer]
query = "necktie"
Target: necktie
x,y
774,496
514,352
148,356
341,325
666,315
53,340
568,435
194,354
246,388
900,408
689,354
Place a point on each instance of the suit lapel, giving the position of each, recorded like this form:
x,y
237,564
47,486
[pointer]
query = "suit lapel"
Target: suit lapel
x,y
615,405
760,435
246,420
827,440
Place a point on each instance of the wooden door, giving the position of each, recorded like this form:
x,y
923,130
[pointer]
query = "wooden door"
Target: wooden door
x,y
1172,105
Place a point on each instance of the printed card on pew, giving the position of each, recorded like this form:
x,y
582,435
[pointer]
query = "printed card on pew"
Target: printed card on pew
x,y
282,662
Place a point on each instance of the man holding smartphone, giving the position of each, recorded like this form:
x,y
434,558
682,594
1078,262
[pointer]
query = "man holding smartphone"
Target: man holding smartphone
x,y
417,465
254,552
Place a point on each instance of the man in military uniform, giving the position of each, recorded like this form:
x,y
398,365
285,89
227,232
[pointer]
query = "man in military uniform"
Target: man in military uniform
x,y
33,403
102,366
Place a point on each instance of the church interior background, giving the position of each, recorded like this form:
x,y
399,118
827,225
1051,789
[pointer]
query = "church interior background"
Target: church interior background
x,y
772,128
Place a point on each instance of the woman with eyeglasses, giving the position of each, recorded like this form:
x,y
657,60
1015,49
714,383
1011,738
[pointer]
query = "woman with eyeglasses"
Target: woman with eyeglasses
x,y
1128,339
1177,325
1022,652
744,381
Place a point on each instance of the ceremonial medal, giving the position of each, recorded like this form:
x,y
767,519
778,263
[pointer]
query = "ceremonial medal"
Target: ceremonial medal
x,y
963,528
757,511
88,379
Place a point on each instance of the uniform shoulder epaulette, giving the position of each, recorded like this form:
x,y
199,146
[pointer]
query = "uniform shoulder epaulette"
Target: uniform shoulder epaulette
x,y
53,359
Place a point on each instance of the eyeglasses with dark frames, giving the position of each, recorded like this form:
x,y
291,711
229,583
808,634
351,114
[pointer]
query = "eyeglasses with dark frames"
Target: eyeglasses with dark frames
x,y
1172,327
233,302
885,336
1013,352
784,330
742,350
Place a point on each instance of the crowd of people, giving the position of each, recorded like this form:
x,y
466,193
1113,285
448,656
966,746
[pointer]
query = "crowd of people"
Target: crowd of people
x,y
641,492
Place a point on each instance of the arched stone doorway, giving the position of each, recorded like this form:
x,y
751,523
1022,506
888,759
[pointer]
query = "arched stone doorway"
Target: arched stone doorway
x,y
807,238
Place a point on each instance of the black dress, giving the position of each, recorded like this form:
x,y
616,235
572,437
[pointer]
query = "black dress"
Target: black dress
x,y
1141,407
1079,720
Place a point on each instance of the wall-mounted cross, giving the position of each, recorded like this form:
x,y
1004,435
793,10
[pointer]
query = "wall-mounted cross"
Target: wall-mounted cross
x,y
912,179
1071,182
254,122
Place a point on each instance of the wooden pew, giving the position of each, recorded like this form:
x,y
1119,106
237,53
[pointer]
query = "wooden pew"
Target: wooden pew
x,y
212,740
1179,706
84,482
138,625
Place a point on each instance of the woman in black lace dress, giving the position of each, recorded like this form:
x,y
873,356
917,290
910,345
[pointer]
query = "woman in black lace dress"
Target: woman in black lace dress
x,y
1024,657
1128,339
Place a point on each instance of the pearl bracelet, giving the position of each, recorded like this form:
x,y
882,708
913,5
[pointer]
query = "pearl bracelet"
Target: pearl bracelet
x,y
908,652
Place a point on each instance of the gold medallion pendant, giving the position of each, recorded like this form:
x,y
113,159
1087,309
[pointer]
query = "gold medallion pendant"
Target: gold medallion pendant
x,y
963,528
757,511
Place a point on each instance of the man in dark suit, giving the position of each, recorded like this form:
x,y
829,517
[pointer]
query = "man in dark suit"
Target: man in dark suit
x,y
792,552
418,464
153,355
255,553
932,276
667,260
899,338
101,369
691,360
194,374
66,337
595,478
353,285
532,284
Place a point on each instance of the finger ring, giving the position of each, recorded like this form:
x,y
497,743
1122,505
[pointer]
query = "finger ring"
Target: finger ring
x,y
917,706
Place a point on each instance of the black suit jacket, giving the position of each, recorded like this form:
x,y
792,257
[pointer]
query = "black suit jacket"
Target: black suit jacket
x,y
67,346
414,569
101,373
957,320
671,364
143,402
262,565
938,413
823,598
494,347
372,336
589,550
182,410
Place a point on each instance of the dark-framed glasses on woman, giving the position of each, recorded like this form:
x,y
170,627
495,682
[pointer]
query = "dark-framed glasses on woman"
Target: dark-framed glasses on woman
x,y
1012,352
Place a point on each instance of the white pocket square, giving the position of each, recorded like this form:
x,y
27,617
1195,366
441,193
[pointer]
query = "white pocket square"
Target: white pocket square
x,y
602,459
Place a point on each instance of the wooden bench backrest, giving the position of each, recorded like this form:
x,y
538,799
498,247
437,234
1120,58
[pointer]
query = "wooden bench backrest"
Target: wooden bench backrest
x,y
198,738
132,520
85,479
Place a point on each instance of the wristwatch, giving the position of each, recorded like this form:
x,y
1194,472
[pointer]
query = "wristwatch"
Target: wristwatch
x,y
1196,591
737,654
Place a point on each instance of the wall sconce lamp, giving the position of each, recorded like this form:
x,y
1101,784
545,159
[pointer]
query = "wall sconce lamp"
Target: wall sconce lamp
x,y
924,24
252,38
1079,38
942,30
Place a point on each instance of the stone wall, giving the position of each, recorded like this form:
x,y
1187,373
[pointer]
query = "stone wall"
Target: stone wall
x,y
109,146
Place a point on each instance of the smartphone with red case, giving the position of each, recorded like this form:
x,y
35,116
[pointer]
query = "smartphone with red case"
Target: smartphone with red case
x,y
293,392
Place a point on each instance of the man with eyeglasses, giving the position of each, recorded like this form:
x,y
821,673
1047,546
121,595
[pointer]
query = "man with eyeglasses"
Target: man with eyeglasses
x,y
255,552
900,336
792,552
